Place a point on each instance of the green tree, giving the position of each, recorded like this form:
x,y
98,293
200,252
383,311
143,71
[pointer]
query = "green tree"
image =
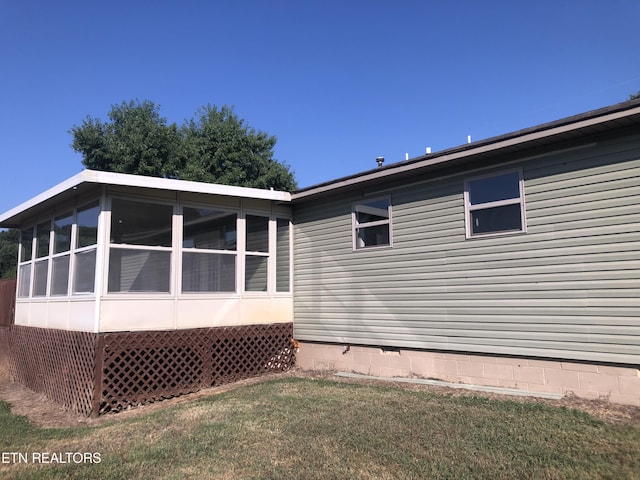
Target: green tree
x,y
136,140
9,253
634,96
216,147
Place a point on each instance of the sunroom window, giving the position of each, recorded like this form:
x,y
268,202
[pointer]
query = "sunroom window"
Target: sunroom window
x,y
25,267
257,254
140,249
372,223
85,249
495,204
41,265
55,247
40,275
43,236
62,226
209,253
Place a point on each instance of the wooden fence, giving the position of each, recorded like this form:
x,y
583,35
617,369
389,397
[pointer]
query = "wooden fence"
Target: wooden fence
x,y
7,302
7,310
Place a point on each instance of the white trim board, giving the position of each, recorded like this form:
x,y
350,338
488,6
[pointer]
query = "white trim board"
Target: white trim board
x,y
126,180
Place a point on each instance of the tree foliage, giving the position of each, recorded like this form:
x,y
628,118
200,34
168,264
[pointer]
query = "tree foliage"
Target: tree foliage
x,y
215,146
8,253
136,140
634,96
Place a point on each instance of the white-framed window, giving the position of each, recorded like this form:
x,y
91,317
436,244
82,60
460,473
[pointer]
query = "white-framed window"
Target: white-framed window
x,y
256,261
25,262
61,254
56,247
371,223
494,204
140,247
216,249
86,243
283,255
41,263
209,250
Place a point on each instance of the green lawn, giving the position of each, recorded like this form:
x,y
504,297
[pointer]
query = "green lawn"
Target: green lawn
x,y
294,428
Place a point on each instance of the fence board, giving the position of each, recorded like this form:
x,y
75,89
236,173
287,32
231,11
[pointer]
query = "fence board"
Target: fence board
x,y
7,301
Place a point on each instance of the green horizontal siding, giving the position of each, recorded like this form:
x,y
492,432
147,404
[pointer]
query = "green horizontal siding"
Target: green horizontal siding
x,y
568,288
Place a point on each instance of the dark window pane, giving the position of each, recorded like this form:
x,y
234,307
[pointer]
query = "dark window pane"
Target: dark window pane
x,y
88,226
494,189
42,239
372,236
257,234
26,241
208,272
497,219
140,223
372,211
62,233
139,270
209,229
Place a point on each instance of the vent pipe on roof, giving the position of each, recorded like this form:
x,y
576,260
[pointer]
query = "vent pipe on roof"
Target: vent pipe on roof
x,y
428,151
380,161
468,138
406,156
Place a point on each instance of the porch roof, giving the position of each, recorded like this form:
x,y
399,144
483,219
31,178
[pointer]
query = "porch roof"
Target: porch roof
x,y
88,179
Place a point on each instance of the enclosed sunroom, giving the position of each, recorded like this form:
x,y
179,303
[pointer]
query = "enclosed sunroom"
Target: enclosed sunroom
x,y
175,284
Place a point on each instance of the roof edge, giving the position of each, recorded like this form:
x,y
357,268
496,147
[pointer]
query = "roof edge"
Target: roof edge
x,y
129,180
523,136
143,181
61,187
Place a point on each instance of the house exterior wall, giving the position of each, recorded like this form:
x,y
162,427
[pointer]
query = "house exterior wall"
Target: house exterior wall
x,y
566,289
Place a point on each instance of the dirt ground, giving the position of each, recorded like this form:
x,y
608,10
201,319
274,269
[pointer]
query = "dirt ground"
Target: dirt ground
x,y
46,414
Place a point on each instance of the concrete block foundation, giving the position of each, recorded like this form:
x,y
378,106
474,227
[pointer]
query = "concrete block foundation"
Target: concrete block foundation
x,y
615,384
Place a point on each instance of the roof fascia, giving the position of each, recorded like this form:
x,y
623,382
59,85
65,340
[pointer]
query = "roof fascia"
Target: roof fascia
x,y
126,180
62,187
485,147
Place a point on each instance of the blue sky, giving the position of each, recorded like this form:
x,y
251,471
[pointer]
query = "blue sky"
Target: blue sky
x,y
339,83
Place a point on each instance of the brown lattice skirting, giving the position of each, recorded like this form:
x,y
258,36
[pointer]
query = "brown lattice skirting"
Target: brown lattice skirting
x,y
58,363
96,373
144,367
